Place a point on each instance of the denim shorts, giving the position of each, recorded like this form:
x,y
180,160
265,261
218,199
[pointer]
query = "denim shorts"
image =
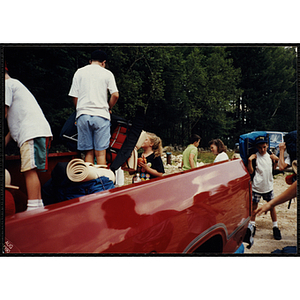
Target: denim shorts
x,y
93,133
267,196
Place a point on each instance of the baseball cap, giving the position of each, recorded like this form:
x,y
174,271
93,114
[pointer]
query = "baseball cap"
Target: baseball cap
x,y
261,139
99,55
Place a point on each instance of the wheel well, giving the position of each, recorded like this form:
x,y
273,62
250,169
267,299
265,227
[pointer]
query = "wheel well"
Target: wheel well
x,y
213,245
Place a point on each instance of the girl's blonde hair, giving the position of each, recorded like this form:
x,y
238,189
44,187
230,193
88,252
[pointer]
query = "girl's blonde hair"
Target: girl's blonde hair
x,y
157,144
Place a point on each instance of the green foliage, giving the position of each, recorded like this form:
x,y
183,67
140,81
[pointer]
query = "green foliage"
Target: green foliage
x,y
268,82
216,92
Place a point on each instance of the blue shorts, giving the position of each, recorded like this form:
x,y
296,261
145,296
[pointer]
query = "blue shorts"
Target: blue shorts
x,y
93,133
267,196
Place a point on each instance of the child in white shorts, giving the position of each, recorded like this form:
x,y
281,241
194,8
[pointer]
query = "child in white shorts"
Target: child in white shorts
x,y
30,129
34,154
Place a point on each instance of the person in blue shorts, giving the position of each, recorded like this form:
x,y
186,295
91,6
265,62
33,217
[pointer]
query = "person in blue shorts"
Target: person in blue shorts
x,y
89,91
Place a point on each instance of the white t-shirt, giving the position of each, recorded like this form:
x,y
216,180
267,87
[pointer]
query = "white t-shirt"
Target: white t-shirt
x,y
263,178
90,85
221,156
25,118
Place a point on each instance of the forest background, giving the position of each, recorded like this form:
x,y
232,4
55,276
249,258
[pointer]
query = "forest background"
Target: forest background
x,y
213,91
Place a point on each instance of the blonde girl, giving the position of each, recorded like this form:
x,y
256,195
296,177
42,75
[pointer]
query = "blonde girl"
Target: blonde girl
x,y
150,163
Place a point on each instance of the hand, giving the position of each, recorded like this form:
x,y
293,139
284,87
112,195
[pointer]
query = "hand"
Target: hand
x,y
143,165
263,209
253,156
282,146
142,160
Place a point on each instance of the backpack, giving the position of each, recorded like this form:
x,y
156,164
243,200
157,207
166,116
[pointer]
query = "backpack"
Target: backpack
x,y
247,144
291,144
132,138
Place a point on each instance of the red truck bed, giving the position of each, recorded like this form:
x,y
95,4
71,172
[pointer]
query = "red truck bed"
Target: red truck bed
x,y
204,210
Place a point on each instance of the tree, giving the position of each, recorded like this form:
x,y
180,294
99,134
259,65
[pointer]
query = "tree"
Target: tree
x,y
219,89
216,92
268,82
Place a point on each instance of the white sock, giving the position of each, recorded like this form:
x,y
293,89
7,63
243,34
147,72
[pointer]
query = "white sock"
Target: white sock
x,y
275,224
252,222
34,204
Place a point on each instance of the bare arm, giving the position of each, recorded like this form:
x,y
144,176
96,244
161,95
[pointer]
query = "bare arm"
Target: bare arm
x,y
191,160
7,139
75,101
250,166
288,194
275,160
113,99
8,136
282,164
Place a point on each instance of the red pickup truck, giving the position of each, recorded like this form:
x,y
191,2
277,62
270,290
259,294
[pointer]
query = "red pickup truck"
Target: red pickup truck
x,y
203,210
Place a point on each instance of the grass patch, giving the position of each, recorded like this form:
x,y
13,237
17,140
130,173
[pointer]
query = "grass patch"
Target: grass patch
x,y
206,157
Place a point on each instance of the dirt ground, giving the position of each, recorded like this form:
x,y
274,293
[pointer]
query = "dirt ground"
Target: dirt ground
x,y
264,243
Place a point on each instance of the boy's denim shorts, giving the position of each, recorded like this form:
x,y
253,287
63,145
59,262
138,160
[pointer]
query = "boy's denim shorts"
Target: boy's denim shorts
x,y
93,133
267,196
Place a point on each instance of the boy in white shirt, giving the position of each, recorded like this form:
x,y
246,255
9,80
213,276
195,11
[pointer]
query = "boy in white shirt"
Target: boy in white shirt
x,y
262,185
89,91
30,129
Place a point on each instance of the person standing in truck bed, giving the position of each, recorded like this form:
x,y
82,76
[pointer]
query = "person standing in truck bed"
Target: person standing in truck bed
x,y
89,91
30,129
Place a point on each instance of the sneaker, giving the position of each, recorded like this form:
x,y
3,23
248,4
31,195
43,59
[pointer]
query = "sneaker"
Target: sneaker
x,y
276,233
248,237
254,229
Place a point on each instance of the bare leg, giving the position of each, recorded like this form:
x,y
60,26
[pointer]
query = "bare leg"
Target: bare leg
x,y
273,214
33,184
89,156
101,157
254,207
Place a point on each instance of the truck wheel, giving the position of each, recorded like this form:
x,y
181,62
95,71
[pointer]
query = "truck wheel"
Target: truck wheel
x,y
213,245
